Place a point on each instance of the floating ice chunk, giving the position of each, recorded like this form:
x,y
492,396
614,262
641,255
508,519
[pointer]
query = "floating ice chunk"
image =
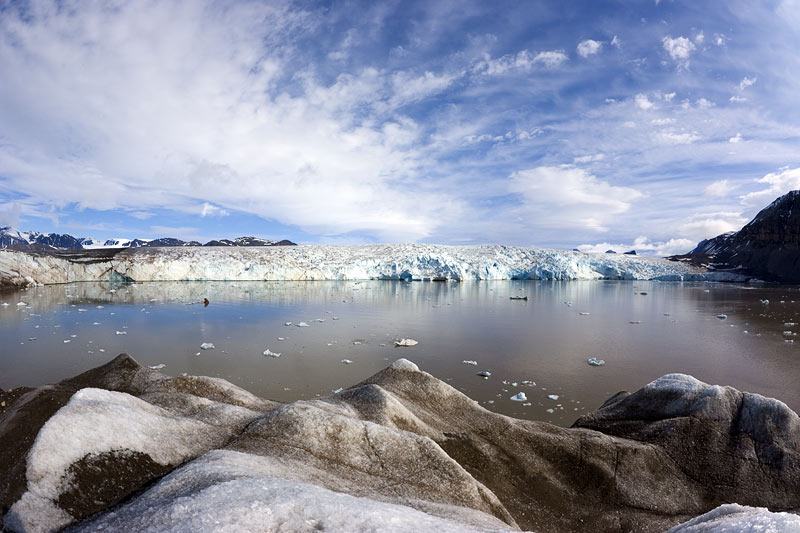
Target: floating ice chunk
x,y
789,341
207,346
346,361
4,304
66,341
270,353
334,318
790,334
21,304
765,302
470,362
529,383
81,310
358,342
635,322
484,374
302,325
281,338
584,313
406,342
337,391
31,338
553,396
594,361
526,404
519,397
157,367
789,324
95,323
120,332
287,323
319,320
100,307
722,316
550,411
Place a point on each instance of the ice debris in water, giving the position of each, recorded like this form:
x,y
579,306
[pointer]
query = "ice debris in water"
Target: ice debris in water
x,y
519,397
120,332
550,411
207,346
470,362
81,310
529,383
21,304
287,323
594,361
789,324
789,341
765,302
722,316
584,313
635,322
553,396
790,334
346,361
406,342
157,367
302,325
270,353
484,374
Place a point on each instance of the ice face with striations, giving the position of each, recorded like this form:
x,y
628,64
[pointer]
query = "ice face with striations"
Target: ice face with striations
x,y
323,262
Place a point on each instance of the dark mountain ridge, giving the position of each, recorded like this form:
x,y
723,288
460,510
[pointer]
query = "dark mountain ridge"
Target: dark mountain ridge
x,y
10,238
768,247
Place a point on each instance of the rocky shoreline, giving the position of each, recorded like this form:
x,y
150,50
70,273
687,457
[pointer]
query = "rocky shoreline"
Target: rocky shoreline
x,y
126,447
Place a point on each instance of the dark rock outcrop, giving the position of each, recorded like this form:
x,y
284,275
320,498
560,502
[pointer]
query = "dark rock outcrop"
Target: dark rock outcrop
x,y
399,444
768,247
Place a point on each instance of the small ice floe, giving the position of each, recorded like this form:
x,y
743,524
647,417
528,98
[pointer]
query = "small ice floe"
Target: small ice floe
x,y
789,324
526,404
789,341
358,342
21,304
528,383
346,361
319,320
95,323
584,313
100,307
484,374
207,346
519,397
406,342
334,318
765,302
120,332
281,338
594,361
722,316
302,325
287,323
66,341
270,353
666,314
470,362
337,391
549,411
157,367
490,401
553,396
81,310
31,338
790,334
635,322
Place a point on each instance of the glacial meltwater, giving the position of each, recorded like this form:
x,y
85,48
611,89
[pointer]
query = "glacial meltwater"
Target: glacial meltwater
x,y
300,340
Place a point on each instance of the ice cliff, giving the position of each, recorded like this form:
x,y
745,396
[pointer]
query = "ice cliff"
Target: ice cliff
x,y
320,262
123,447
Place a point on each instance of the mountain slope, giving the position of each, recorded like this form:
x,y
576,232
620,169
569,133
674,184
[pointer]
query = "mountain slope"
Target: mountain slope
x,y
768,247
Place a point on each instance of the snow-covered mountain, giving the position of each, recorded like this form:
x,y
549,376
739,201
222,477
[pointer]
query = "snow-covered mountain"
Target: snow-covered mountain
x,y
13,237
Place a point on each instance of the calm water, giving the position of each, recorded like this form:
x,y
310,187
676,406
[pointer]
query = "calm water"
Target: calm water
x,y
546,339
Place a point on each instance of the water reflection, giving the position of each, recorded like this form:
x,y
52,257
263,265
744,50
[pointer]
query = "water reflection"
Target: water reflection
x,y
642,330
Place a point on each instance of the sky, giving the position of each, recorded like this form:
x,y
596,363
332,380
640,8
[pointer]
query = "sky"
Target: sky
x,y
583,124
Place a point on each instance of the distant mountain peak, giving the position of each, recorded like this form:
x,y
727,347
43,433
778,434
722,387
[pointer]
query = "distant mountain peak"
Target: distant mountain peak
x,y
11,237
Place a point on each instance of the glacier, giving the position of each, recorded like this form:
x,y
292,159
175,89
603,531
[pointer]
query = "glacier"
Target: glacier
x,y
327,262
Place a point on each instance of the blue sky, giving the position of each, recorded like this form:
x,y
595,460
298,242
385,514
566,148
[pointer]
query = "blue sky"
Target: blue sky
x,y
551,124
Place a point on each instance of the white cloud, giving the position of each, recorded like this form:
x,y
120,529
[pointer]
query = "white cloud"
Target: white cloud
x,y
408,87
551,59
662,121
210,210
589,47
704,104
737,99
571,197
669,137
719,188
668,96
779,183
747,82
699,38
679,49
643,246
615,42
736,138
719,39
589,158
642,102
706,225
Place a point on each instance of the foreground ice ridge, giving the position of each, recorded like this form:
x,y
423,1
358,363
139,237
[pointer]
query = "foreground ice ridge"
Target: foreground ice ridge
x,y
321,262
124,447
